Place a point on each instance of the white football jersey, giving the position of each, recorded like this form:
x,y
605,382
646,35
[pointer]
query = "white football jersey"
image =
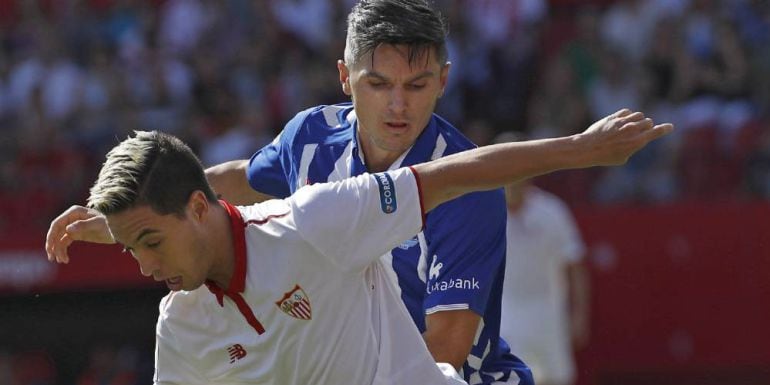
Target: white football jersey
x,y
310,302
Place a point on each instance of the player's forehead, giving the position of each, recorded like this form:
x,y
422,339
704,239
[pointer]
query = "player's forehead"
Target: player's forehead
x,y
128,225
390,60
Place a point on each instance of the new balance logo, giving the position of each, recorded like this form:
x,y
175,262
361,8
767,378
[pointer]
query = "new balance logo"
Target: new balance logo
x,y
236,352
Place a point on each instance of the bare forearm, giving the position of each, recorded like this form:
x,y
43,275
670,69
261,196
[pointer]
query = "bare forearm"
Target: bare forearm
x,y
449,335
229,181
610,141
493,166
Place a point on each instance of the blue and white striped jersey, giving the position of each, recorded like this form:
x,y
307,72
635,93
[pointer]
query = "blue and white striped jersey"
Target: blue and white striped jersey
x,y
456,262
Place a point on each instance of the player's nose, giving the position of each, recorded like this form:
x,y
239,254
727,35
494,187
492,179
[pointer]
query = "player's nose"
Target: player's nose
x,y
397,102
147,264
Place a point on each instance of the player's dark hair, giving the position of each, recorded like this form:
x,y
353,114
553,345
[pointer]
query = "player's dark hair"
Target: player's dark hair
x,y
150,168
414,23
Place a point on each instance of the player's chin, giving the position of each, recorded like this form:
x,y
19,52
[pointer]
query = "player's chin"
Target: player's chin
x,y
397,144
175,283
190,284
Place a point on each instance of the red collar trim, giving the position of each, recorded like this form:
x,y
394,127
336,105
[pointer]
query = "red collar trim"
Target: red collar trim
x,y
238,280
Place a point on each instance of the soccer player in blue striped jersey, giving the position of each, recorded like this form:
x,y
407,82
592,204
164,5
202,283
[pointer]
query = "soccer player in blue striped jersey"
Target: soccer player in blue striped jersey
x,y
450,275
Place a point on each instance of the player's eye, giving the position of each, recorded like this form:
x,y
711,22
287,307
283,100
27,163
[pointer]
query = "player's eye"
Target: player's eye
x,y
152,245
417,86
130,251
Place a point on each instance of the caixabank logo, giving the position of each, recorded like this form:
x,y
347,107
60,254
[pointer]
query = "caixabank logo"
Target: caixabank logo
x,y
387,193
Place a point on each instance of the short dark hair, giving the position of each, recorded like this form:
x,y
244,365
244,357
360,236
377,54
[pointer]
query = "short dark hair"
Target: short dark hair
x,y
414,23
150,168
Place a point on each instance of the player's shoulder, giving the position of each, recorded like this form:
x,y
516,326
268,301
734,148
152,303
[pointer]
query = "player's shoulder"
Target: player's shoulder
x,y
184,304
476,207
453,139
264,211
320,124
272,218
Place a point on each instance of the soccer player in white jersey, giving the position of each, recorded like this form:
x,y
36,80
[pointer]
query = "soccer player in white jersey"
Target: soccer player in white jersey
x,y
294,291
450,274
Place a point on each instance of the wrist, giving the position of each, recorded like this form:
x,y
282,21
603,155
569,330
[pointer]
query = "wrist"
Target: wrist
x,y
580,151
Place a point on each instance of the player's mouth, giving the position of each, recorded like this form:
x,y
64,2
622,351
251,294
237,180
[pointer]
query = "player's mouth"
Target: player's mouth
x,y
397,126
175,283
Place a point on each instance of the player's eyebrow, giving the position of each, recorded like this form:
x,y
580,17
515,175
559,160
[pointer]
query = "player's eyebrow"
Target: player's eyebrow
x,y
379,76
138,238
143,233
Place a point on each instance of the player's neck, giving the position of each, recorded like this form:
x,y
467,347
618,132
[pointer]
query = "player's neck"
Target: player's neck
x,y
223,252
375,158
379,165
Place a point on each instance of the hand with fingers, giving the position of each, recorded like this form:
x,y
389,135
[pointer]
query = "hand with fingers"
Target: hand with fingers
x,y
614,138
77,223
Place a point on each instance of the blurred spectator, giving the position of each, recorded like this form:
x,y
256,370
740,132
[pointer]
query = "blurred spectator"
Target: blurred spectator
x,y
74,76
715,80
480,132
545,312
308,20
583,51
627,25
237,141
183,24
557,107
616,86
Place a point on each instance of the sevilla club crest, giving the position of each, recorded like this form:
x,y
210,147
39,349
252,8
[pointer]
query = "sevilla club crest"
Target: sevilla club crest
x,y
296,303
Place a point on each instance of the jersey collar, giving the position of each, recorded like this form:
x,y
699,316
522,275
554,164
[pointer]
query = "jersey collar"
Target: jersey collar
x,y
420,152
238,281
423,147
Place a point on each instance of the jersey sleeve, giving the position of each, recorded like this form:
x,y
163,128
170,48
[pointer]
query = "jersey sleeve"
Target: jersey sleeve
x,y
265,172
355,221
466,251
270,168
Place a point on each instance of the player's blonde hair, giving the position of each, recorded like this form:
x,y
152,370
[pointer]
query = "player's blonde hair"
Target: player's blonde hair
x,y
150,168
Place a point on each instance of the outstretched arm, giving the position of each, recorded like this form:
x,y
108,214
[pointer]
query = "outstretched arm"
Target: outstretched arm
x,y
608,142
230,183
79,223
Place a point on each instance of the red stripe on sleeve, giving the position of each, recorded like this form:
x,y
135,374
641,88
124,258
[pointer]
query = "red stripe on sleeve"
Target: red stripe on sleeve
x,y
419,193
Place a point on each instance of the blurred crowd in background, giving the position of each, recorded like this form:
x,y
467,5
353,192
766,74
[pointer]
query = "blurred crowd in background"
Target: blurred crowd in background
x,y
77,76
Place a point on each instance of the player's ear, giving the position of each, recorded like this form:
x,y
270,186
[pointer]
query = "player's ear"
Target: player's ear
x,y
344,77
197,205
444,77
